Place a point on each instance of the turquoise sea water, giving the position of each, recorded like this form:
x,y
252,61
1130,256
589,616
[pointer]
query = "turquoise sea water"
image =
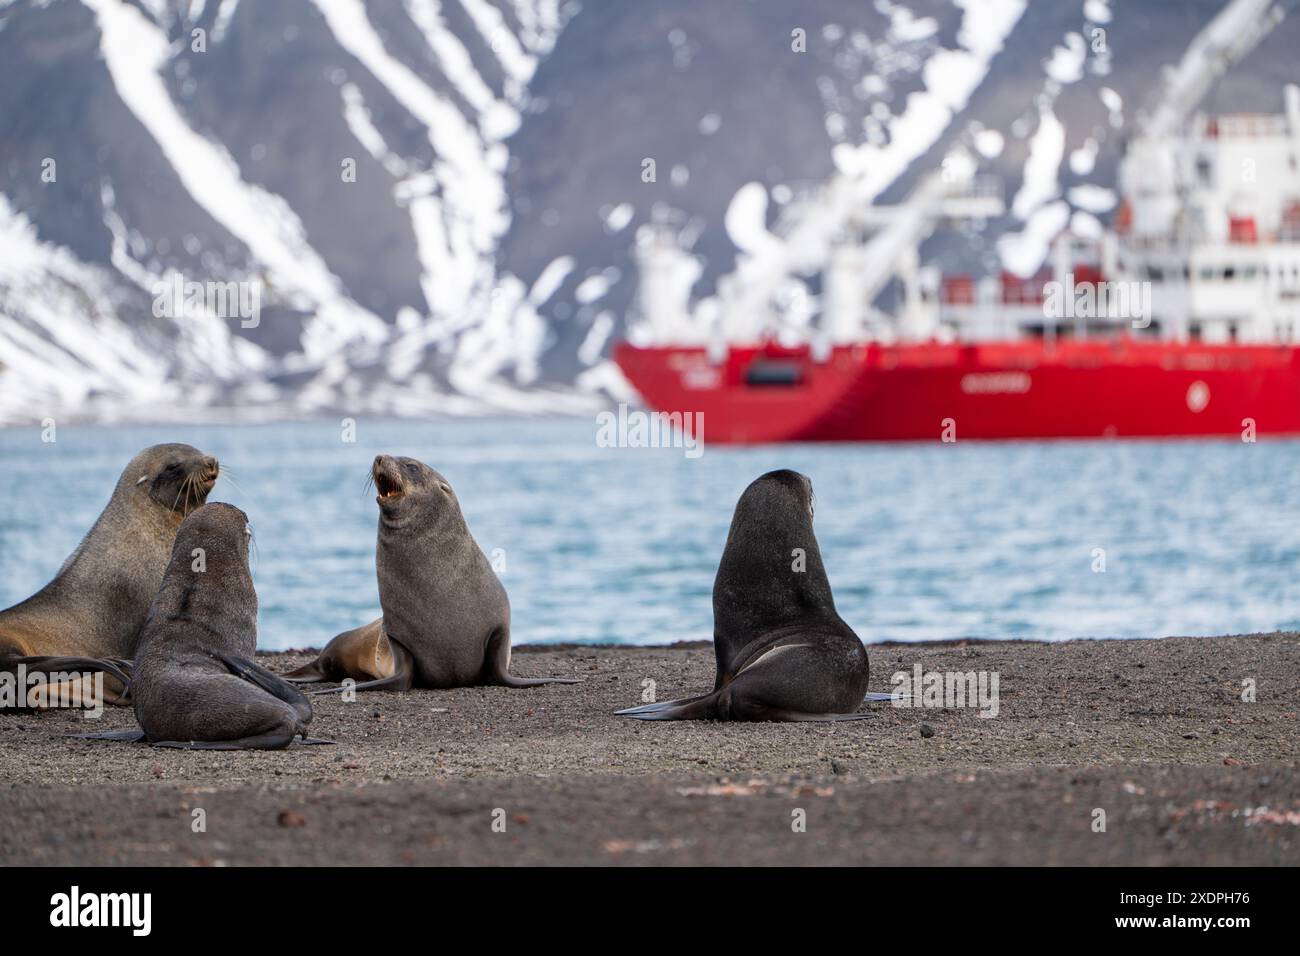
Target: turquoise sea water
x,y
921,541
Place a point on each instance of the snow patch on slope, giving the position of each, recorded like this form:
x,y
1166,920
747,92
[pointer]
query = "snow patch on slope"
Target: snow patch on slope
x,y
1046,150
134,50
69,335
950,76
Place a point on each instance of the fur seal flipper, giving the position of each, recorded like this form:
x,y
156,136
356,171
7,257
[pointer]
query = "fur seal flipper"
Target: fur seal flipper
x,y
401,678
446,616
196,685
783,652
120,670
363,654
97,603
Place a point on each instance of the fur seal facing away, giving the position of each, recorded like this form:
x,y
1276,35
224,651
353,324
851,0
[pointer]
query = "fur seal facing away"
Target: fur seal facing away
x,y
196,685
446,616
783,652
89,617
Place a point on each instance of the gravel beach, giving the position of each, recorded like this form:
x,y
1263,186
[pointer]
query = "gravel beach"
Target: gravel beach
x,y
1154,733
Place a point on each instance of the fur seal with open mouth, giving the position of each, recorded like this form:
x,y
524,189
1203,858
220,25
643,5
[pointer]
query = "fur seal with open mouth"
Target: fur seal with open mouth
x,y
196,684
446,616
783,652
89,617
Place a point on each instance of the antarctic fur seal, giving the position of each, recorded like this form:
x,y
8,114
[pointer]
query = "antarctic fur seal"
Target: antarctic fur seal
x,y
89,617
196,684
446,620
783,652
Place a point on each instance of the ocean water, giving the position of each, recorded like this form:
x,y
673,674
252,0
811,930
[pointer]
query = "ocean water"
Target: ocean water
x,y
921,541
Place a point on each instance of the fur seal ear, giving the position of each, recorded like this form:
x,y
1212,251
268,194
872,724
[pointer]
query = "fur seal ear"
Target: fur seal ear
x,y
142,479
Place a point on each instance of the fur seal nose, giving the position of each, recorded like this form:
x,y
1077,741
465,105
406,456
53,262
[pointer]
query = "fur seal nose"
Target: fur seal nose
x,y
210,468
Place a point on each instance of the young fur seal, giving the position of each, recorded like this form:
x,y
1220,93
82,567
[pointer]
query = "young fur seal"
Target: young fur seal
x,y
196,685
783,652
446,616
89,617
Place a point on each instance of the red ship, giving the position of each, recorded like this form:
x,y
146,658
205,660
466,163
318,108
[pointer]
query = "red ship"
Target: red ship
x,y
1181,319
1123,387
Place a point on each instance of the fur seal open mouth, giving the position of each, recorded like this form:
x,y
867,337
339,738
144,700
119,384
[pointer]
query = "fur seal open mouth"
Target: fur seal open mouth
x,y
387,483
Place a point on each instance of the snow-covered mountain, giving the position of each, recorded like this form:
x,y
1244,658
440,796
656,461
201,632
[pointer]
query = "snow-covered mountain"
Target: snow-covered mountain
x,y
436,201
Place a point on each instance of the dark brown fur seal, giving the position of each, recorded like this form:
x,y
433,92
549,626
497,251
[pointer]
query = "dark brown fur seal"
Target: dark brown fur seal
x,y
90,616
196,684
446,616
783,652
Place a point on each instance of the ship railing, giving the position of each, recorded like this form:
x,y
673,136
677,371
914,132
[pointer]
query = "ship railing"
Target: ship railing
x,y
1246,125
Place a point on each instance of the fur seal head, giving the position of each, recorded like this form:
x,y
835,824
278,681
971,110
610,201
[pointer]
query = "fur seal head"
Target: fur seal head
x,y
173,476
408,489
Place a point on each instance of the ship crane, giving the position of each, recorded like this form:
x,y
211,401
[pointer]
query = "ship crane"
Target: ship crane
x,y
858,272
858,247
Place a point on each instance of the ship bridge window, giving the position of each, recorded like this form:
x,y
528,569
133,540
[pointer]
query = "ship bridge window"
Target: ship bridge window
x,y
774,372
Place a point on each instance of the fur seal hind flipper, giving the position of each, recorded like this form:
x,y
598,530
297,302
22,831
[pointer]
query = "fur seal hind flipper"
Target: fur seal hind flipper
x,y
262,742
116,666
402,678
734,707
123,736
364,653
309,673
688,708
790,715
497,665
46,664
653,708
272,741
874,696
705,708
269,741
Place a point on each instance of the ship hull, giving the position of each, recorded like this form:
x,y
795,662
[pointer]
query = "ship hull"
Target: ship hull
x,y
1121,388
